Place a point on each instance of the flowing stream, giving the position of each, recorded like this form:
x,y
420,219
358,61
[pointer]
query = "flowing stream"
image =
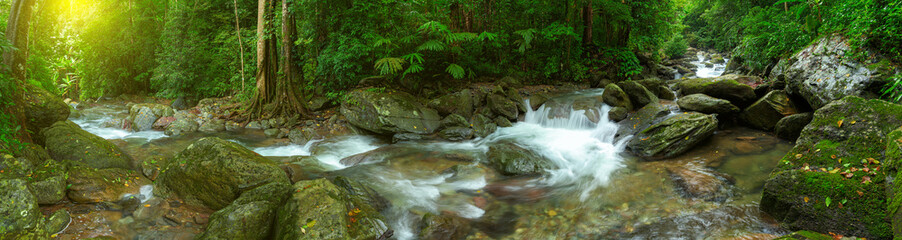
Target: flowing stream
x,y
705,71
595,189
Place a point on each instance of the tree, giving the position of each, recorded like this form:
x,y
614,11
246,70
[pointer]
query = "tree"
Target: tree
x,y
275,95
17,33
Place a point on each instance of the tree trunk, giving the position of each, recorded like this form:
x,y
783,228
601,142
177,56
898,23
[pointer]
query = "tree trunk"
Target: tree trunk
x,y
17,33
240,44
588,22
275,96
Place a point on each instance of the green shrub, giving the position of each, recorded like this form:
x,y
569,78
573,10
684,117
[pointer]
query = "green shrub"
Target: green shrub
x,y
676,47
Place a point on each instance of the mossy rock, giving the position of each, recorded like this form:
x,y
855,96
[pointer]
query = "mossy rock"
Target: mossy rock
x,y
323,209
893,165
443,227
66,141
845,134
46,180
455,120
790,127
724,87
460,103
706,104
214,172
616,97
251,216
89,185
642,119
483,126
503,106
20,217
674,136
513,160
639,95
389,113
767,111
43,109
805,235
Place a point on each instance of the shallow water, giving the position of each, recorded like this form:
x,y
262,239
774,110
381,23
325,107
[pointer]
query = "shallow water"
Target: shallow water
x,y
708,72
595,190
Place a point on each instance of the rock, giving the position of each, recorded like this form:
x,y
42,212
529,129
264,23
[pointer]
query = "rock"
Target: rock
x,y
179,103
513,160
726,87
388,113
456,133
214,172
271,133
323,209
893,165
822,72
404,137
255,125
181,126
642,118
460,103
706,104
303,168
536,100
483,126
639,95
616,97
790,127
700,182
42,109
318,103
503,122
658,87
852,129
46,178
20,217
673,136
805,235
503,106
66,141
142,116
88,185
443,227
212,126
58,221
508,82
767,111
163,122
251,216
717,60
665,93
301,136
454,120
617,114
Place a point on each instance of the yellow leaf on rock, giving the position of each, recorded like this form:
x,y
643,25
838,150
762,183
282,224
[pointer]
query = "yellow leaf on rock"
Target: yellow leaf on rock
x,y
839,123
806,199
552,213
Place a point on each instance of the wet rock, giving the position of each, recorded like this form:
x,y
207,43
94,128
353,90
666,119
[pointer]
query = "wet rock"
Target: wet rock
x,y
323,209
701,182
466,172
66,141
212,126
503,122
301,136
767,111
728,87
271,133
403,137
454,120
20,217
303,169
233,126
251,216
642,118
536,100
163,122
255,125
665,93
43,109
510,159
389,113
483,126
790,127
88,185
852,129
456,133
639,95
805,235
214,172
673,136
617,114
318,103
503,106
46,178
58,221
181,126
508,82
616,97
142,116
822,72
460,103
443,227
705,104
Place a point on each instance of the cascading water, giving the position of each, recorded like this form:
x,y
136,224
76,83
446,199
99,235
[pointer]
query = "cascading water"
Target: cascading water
x,y
707,72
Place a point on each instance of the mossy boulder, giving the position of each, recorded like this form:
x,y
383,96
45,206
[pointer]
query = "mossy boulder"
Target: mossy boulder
x,y
455,120
214,172
483,126
181,126
66,141
617,114
444,227
460,103
790,127
893,165
845,135
89,185
726,87
615,96
251,216
43,109
673,136
805,235
324,209
706,104
46,178
503,106
20,217
512,160
767,111
638,94
389,113
58,221
643,118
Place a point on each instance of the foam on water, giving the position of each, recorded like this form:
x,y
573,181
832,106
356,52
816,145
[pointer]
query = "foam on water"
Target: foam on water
x,y
707,72
287,150
93,126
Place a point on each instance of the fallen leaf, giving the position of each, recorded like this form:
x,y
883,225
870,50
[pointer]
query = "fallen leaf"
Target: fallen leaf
x,y
799,155
865,179
827,202
551,213
806,199
839,123
860,193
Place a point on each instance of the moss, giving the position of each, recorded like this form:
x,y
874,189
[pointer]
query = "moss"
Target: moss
x,y
805,235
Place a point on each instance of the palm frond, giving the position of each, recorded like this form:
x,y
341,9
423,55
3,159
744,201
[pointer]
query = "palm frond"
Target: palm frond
x,y
456,71
387,66
432,45
413,58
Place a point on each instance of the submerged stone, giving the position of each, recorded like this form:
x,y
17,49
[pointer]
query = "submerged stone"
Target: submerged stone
x,y
510,159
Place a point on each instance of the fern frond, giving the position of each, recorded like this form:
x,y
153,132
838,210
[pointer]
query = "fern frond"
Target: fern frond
x,y
413,58
414,68
387,66
456,71
487,36
383,42
432,45
408,39
434,27
526,43
460,37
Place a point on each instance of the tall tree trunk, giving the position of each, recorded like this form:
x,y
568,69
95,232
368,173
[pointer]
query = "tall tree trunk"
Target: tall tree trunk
x,y
292,77
588,22
275,95
17,33
240,44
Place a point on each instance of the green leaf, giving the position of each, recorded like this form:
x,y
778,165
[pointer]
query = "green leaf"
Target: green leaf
x,y
387,66
828,201
432,45
456,71
414,58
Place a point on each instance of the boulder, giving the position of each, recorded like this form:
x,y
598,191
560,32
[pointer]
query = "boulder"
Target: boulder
x,y
642,118
706,104
181,126
790,127
46,178
673,136
805,235
89,185
615,96
536,100
845,135
617,114
214,172
43,109
658,87
639,95
301,136
66,141
729,87
460,103
503,106
512,160
20,217
767,111
823,72
700,182
893,165
212,126
251,216
389,113
454,120
503,122
443,227
142,116
58,221
483,126
456,133
179,103
324,209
